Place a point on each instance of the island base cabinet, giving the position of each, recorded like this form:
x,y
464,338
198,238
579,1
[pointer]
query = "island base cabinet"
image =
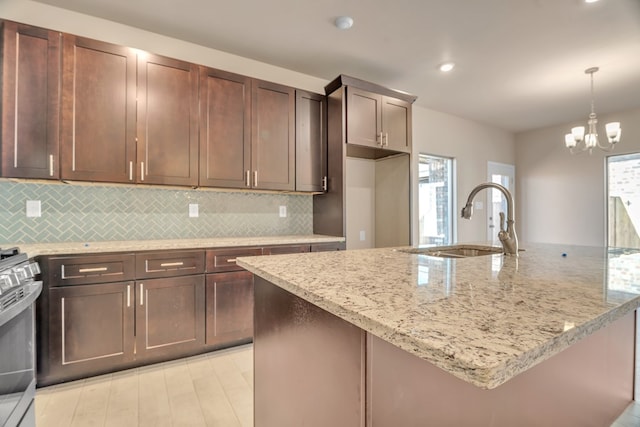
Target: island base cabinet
x,y
90,330
312,368
169,316
588,384
309,364
229,308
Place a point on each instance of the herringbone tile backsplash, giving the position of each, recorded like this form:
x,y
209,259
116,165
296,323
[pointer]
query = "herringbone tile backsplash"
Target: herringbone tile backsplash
x,y
79,212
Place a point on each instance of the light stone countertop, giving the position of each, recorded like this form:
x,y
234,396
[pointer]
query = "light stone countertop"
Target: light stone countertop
x,y
483,319
78,248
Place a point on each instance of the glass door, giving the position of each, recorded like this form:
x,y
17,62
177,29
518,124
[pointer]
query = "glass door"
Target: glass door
x,y
503,174
435,199
623,201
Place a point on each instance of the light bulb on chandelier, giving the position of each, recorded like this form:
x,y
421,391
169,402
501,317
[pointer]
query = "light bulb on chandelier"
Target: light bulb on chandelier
x,y
578,142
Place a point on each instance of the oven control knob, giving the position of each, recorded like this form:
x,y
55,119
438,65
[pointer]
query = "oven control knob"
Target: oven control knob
x,y
20,273
6,282
32,269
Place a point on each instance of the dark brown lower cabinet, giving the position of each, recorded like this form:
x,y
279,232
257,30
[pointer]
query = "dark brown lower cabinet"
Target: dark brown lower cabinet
x,y
169,316
90,330
88,325
229,308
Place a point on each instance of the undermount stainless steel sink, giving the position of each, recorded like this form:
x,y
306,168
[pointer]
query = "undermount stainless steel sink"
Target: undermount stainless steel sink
x,y
455,251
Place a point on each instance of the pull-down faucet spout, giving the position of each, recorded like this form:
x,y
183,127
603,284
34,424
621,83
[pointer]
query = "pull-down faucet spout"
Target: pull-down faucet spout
x,y
507,237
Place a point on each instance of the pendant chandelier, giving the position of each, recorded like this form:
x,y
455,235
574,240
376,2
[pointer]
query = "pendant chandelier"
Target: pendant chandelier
x,y
578,142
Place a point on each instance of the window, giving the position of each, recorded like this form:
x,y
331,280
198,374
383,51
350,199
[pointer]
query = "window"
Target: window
x,y
435,200
623,195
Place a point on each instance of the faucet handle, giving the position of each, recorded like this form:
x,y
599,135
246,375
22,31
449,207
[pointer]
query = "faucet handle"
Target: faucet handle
x,y
502,222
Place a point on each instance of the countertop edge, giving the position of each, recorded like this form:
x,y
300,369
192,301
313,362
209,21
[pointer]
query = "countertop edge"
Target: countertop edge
x,y
79,248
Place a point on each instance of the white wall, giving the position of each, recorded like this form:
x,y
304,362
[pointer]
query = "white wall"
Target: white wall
x,y
561,197
360,181
472,145
38,14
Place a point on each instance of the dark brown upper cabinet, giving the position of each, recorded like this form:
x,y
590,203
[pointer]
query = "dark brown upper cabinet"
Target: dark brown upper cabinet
x,y
225,129
311,142
30,96
98,126
272,136
378,121
167,121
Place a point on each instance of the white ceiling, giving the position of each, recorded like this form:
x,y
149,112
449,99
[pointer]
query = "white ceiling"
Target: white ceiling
x,y
520,63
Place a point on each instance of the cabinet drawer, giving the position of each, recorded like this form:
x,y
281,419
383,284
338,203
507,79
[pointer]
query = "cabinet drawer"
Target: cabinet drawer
x,y
330,246
167,264
64,271
219,260
285,249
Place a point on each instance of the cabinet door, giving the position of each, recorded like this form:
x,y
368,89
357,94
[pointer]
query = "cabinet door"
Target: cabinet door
x,y
91,329
30,101
273,136
98,111
396,124
167,121
311,141
229,317
169,316
364,117
225,129
285,249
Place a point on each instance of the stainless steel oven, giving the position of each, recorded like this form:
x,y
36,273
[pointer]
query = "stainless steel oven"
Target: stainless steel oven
x,y
18,292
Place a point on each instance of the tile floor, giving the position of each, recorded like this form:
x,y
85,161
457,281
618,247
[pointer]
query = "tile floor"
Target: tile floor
x,y
214,389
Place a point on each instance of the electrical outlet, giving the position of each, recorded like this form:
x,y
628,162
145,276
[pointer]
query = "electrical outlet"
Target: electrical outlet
x,y
34,209
363,236
283,211
193,210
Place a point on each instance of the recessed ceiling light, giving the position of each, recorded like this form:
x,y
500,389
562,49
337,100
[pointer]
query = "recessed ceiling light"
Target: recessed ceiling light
x,y
590,1
344,22
446,67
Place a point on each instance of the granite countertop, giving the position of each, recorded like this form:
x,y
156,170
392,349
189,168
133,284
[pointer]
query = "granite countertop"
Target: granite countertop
x,y
71,248
483,319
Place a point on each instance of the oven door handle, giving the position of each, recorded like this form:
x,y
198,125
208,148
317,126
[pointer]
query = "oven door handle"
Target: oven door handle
x,y
33,290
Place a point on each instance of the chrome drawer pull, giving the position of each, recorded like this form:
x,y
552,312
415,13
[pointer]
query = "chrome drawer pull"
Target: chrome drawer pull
x,y
92,270
231,260
172,264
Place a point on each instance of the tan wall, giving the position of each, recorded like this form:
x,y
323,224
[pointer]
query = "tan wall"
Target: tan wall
x,y
39,14
561,198
472,145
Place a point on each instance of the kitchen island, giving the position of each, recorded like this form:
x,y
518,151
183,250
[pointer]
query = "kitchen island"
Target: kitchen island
x,y
384,337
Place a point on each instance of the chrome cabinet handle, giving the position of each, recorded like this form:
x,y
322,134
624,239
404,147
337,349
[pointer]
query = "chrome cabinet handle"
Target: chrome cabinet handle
x,y
231,260
131,171
172,264
324,183
381,140
50,164
255,178
386,140
141,293
141,171
247,178
128,295
92,270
